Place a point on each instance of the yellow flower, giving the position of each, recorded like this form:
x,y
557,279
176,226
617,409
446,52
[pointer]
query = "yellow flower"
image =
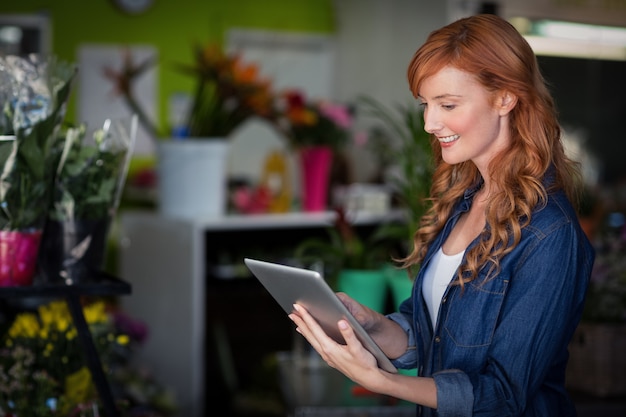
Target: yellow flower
x,y
71,334
54,316
25,325
43,333
95,313
122,339
49,349
78,389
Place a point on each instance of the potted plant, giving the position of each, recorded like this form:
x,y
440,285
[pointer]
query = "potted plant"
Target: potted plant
x,y
317,131
33,97
86,193
351,261
191,169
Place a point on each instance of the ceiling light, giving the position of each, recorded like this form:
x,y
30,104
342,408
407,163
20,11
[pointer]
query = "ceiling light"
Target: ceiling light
x,y
575,40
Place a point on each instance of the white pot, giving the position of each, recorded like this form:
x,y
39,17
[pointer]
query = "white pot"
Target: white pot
x,y
192,177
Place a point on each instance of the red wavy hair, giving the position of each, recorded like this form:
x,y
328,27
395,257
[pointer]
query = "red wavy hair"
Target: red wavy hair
x,y
493,51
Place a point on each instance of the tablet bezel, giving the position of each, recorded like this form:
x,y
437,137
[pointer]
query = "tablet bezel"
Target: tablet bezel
x,y
290,285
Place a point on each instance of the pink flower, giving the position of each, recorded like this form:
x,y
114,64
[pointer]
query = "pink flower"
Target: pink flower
x,y
337,113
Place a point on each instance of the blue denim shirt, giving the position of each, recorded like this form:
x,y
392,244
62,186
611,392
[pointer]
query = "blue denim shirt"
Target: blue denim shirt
x,y
500,347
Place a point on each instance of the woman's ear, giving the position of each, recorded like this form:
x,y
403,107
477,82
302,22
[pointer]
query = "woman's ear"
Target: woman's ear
x,y
505,102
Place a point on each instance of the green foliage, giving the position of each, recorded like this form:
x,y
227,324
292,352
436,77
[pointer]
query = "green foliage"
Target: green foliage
x,y
399,140
345,248
27,165
90,176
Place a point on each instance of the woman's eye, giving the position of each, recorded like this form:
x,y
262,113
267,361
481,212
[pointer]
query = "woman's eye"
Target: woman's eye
x,y
448,106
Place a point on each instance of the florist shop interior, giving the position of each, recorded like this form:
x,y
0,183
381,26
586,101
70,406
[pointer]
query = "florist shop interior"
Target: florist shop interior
x,y
148,147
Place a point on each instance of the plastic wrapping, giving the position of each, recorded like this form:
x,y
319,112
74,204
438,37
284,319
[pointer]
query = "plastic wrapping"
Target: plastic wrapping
x,y
91,173
33,98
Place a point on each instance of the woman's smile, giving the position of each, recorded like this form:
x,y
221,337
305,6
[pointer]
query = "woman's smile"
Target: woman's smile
x,y
447,139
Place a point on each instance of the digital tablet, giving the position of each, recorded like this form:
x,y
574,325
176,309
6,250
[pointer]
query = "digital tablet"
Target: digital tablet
x,y
290,285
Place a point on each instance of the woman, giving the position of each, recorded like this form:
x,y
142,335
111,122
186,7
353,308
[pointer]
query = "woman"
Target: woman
x,y
504,262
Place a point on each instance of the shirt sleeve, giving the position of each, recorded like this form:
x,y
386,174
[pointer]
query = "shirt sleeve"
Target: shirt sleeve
x,y
409,359
455,386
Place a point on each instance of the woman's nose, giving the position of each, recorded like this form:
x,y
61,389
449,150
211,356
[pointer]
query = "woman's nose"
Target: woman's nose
x,y
430,123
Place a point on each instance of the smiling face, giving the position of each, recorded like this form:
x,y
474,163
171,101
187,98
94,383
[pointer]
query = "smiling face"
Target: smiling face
x,y
470,122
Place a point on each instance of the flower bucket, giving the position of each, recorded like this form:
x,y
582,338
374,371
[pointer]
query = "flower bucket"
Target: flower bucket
x,y
35,92
18,257
315,165
87,188
368,287
73,251
192,178
399,283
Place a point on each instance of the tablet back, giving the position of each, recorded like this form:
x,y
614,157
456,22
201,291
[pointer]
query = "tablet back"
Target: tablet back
x,y
290,285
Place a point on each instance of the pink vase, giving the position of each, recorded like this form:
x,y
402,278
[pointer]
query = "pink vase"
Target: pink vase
x,y
18,257
315,164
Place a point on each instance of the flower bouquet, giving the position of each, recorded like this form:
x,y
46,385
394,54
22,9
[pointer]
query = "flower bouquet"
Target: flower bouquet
x,y
33,97
308,123
42,372
86,193
317,130
191,170
228,92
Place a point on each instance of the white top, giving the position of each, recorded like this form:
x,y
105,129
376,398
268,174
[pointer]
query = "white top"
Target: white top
x,y
440,272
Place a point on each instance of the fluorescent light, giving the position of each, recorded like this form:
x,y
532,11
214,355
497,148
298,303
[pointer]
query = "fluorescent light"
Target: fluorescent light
x,y
576,49
577,40
579,31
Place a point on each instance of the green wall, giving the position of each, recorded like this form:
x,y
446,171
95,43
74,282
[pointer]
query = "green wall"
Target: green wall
x,y
172,26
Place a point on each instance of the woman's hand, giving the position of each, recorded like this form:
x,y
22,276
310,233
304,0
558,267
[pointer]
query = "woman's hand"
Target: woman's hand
x,y
387,334
351,359
358,364
366,317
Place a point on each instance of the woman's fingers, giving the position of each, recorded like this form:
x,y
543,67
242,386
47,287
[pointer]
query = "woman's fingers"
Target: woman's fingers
x,y
331,351
307,326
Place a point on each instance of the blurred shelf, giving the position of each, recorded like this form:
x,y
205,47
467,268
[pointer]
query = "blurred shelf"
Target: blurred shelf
x,y
100,283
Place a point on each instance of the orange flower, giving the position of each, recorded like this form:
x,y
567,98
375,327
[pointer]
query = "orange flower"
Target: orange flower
x,y
228,92
313,123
